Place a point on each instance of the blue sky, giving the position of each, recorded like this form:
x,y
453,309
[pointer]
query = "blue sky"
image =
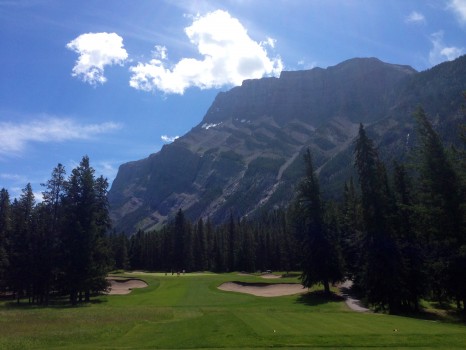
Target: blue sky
x,y
116,80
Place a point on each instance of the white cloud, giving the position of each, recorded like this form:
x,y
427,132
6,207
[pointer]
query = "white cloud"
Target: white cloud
x,y
107,169
168,139
303,64
15,137
13,178
415,17
160,52
96,50
229,56
459,7
440,52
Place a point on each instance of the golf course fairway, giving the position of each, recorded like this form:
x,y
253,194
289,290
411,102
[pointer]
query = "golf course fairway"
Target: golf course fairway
x,y
190,312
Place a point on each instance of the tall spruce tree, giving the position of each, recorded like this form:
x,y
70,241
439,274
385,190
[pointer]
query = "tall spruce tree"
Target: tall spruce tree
x,y
413,274
179,235
321,262
86,219
379,275
5,225
351,226
21,264
52,215
441,209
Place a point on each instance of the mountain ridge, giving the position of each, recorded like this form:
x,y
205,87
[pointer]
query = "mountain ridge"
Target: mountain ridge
x,y
244,155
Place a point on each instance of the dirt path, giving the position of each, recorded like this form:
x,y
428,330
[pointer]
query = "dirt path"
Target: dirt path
x,y
353,304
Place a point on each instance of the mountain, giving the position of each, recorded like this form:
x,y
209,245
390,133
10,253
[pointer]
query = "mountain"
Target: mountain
x,y
245,154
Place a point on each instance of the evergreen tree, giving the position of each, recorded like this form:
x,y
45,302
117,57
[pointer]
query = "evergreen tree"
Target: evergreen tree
x,y
100,248
351,226
442,213
5,225
379,275
135,251
21,264
232,243
321,262
410,242
51,216
120,247
200,247
180,228
86,219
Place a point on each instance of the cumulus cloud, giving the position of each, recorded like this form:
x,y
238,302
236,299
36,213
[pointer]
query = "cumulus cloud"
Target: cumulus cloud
x,y
415,17
96,50
228,56
15,137
459,7
440,52
168,139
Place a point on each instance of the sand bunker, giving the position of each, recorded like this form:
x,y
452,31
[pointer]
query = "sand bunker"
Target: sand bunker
x,y
264,289
124,286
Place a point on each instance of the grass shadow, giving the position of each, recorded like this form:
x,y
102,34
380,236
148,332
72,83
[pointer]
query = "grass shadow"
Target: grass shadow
x,y
439,312
319,297
59,302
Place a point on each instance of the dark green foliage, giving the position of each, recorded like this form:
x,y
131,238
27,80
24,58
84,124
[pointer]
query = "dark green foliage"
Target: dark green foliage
x,y
58,246
21,258
5,226
441,211
247,245
411,246
120,246
380,265
351,230
321,261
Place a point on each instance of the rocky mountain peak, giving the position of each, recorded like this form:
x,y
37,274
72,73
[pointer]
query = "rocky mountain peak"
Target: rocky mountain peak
x,y
244,156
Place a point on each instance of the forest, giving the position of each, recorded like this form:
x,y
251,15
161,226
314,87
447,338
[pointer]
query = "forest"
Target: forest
x,y
399,234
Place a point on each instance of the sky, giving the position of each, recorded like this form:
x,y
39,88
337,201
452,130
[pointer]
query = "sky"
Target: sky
x,y
117,79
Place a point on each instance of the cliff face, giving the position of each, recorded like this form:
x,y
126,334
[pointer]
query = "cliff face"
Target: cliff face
x,y
245,154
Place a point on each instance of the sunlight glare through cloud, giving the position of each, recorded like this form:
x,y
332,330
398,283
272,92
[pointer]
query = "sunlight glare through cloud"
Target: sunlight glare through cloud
x,y
229,57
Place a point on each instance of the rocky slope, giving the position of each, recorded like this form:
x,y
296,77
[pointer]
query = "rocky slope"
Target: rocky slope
x,y
245,154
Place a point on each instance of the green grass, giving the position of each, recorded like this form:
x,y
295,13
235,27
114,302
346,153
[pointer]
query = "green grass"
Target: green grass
x,y
190,312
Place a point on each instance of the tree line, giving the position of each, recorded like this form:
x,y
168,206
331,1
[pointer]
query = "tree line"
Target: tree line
x,y
399,235
260,244
57,247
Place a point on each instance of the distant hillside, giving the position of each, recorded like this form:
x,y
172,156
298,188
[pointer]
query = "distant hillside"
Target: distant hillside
x,y
245,154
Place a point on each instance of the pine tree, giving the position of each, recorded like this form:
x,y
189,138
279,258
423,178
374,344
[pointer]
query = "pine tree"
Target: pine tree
x,y
51,214
179,234
321,262
441,209
232,243
86,219
21,264
414,279
351,236
200,247
5,226
381,262
120,248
